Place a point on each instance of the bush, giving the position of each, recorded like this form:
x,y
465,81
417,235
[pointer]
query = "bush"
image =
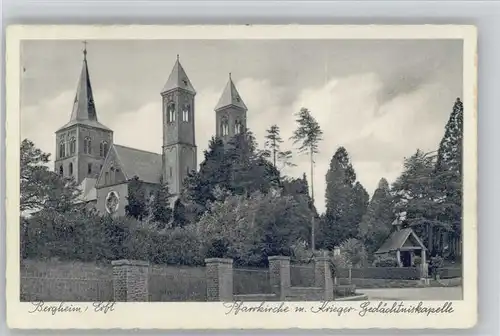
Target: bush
x,y
417,261
396,273
386,262
449,273
353,252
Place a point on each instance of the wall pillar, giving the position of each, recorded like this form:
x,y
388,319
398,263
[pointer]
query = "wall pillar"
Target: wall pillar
x,y
423,261
323,276
219,274
279,276
398,258
130,280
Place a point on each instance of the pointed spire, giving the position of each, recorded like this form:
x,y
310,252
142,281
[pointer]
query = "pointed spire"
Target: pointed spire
x,y
84,110
230,97
178,79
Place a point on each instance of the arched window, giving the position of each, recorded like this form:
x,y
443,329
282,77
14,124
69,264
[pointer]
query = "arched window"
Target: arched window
x,y
72,146
170,171
70,169
87,146
106,178
185,112
89,169
171,112
237,127
61,171
61,149
224,127
112,175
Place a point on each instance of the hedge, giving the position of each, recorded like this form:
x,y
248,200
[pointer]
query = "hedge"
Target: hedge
x,y
449,273
399,273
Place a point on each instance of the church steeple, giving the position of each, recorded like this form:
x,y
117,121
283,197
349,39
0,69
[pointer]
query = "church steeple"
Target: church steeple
x,y
82,144
230,97
178,80
230,113
179,143
84,110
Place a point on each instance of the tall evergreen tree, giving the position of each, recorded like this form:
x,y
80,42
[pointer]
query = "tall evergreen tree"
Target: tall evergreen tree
x,y
416,195
308,136
361,200
162,212
137,204
376,223
343,202
449,175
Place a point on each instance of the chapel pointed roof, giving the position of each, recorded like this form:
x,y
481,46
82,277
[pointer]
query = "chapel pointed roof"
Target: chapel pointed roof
x,y
178,79
230,97
84,111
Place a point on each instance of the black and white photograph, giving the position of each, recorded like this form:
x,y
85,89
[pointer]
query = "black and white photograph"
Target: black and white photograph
x,y
242,171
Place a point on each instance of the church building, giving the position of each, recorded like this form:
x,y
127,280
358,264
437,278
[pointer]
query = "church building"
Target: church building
x,y
85,149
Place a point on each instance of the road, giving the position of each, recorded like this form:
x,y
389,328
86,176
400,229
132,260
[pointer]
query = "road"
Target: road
x,y
428,293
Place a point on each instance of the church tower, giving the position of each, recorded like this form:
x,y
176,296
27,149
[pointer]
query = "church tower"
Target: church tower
x,y
82,143
230,113
179,145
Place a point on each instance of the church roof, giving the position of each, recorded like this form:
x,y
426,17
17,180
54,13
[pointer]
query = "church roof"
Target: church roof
x,y
178,79
84,111
397,239
145,165
230,97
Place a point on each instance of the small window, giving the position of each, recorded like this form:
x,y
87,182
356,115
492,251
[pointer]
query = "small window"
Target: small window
x,y
100,168
185,113
171,112
170,171
103,149
71,169
237,127
89,169
61,171
87,145
225,128
106,178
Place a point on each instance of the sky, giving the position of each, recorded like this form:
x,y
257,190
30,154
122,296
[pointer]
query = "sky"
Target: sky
x,y
380,99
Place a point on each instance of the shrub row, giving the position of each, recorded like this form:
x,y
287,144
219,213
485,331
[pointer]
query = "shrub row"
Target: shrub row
x,y
449,273
400,273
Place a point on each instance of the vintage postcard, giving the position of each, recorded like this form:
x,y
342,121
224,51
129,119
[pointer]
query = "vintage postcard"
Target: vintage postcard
x,y
246,177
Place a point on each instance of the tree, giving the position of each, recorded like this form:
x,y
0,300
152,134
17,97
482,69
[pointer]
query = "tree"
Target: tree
x,y
249,229
179,217
417,197
136,206
237,168
308,136
375,225
448,173
161,204
345,201
40,188
361,200
273,149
